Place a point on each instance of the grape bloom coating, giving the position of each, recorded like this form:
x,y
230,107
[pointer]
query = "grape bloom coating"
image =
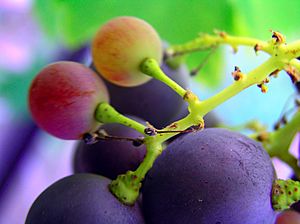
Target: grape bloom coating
x,y
63,98
121,45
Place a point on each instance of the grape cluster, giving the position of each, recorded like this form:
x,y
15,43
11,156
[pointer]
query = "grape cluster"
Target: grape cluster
x,y
210,176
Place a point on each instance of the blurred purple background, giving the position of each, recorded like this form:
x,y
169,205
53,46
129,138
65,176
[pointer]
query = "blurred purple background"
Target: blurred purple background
x,y
30,159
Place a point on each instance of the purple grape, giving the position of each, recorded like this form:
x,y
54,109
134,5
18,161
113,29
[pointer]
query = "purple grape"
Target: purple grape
x,y
81,199
211,176
297,85
110,157
153,101
296,205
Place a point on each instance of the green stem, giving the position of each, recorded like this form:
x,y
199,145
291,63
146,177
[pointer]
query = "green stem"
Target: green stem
x,y
181,125
285,193
292,162
279,141
150,67
205,41
293,49
126,187
106,114
154,149
256,76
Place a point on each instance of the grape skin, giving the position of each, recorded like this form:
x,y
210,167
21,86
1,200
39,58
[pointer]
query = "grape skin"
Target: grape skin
x,y
81,199
63,98
153,101
120,46
288,217
211,176
110,158
297,85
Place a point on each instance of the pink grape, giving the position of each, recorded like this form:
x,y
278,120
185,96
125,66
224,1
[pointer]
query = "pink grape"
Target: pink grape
x,y
121,45
63,98
288,217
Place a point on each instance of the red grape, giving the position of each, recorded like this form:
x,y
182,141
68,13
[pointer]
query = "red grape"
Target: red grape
x,y
121,45
288,217
63,98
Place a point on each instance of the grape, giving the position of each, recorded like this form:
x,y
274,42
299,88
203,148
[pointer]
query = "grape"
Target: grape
x,y
63,98
110,158
296,205
81,199
211,176
153,101
121,45
297,84
288,217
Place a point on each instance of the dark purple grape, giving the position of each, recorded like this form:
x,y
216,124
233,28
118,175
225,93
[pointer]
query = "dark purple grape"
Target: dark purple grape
x,y
211,176
110,157
297,84
296,205
81,199
153,101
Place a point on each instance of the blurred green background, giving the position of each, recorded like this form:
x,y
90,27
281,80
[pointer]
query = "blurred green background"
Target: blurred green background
x,y
35,33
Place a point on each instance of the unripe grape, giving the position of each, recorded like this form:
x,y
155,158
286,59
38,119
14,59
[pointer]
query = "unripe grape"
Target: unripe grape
x,y
121,45
63,98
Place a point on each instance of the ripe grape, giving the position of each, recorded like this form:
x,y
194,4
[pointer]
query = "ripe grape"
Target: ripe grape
x,y
297,84
121,45
153,101
63,98
211,176
81,199
288,217
110,157
296,205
